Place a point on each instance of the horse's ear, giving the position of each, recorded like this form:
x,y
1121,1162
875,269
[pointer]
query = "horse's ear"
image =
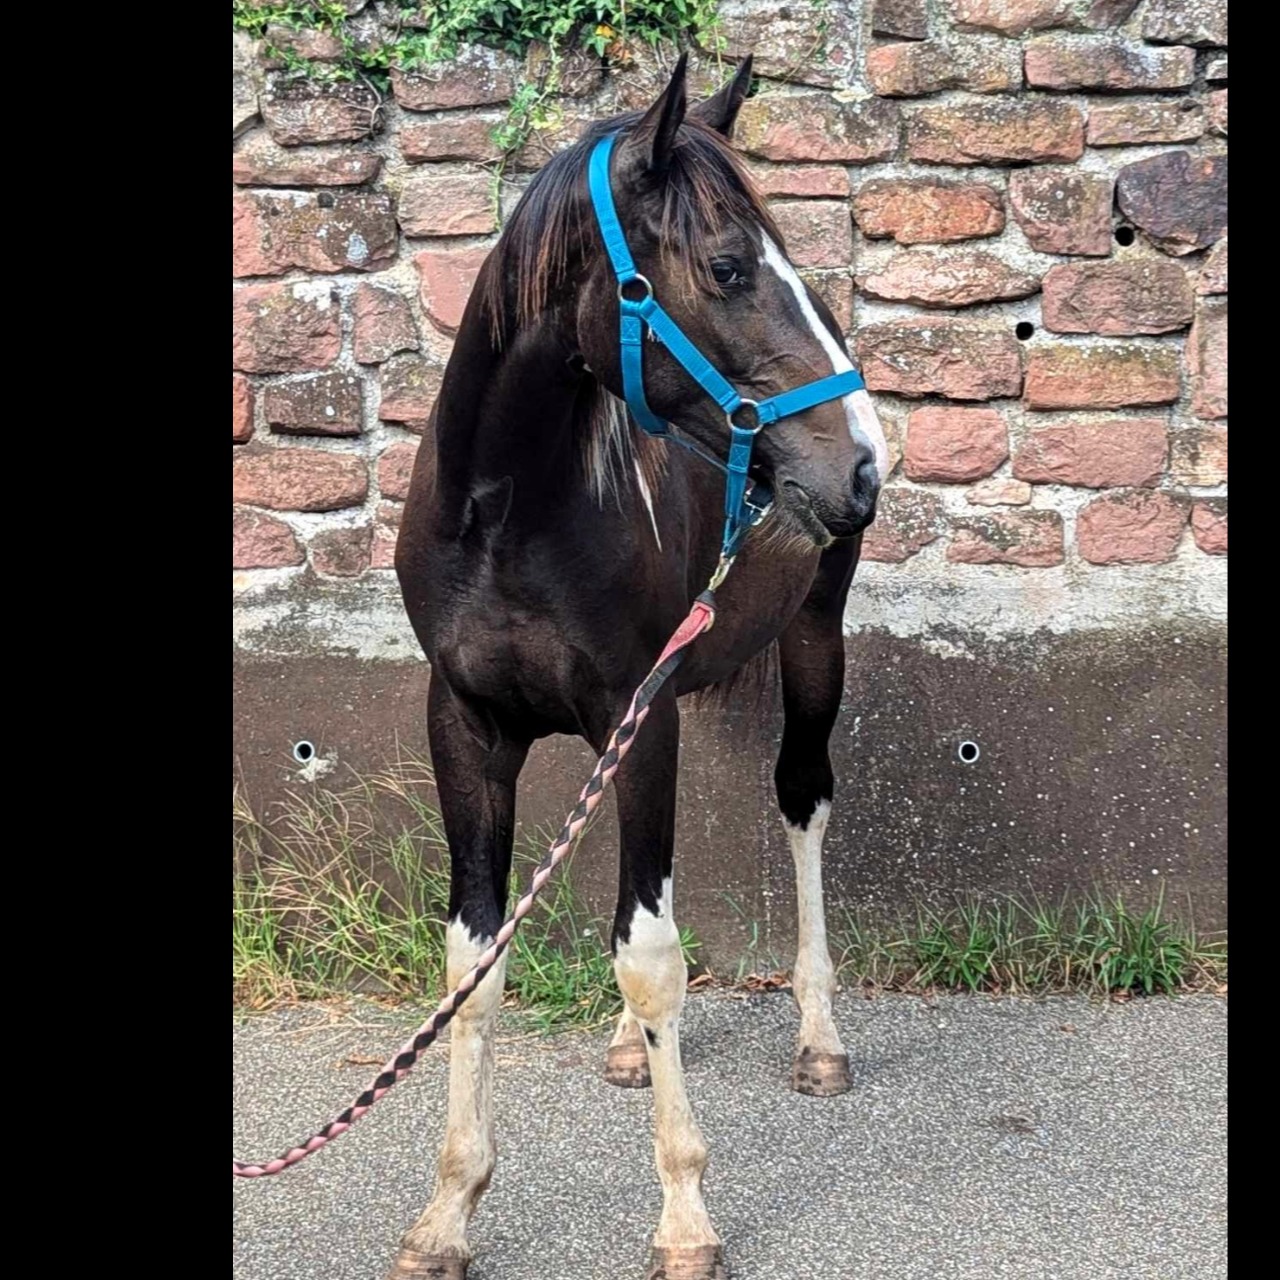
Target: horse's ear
x,y
721,109
655,135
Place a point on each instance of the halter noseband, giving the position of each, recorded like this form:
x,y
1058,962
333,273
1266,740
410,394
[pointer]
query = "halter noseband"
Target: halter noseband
x,y
742,508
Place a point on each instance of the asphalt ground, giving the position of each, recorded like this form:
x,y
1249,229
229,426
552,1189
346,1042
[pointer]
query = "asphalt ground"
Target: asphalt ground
x,y
1062,1139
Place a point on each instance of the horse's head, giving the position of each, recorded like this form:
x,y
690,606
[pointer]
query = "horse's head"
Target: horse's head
x,y
702,237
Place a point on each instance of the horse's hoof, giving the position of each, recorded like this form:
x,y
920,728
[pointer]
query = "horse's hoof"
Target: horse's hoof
x,y
691,1262
627,1066
821,1075
412,1265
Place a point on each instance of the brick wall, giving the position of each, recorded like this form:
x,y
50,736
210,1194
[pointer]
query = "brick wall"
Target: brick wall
x,y
1016,208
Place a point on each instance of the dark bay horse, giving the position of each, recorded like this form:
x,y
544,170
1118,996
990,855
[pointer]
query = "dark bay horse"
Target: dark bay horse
x,y
547,551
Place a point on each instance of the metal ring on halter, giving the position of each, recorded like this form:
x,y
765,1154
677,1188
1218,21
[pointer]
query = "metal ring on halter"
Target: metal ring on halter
x,y
644,280
755,404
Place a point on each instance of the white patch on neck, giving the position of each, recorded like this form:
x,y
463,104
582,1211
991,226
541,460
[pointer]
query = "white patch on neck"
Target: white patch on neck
x,y
648,501
859,411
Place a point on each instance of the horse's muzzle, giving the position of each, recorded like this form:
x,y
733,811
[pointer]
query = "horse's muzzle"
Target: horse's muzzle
x,y
840,515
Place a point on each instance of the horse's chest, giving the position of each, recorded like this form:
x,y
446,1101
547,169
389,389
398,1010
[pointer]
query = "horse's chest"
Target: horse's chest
x,y
753,607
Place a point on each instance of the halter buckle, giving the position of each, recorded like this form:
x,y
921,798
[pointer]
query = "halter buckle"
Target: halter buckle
x,y
754,405
635,279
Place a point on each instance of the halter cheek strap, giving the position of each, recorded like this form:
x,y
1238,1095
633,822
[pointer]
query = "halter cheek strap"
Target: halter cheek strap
x,y
745,505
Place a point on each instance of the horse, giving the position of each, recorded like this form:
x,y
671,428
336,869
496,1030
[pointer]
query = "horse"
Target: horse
x,y
548,548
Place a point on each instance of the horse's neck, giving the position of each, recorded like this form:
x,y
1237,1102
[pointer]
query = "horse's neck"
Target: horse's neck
x,y
509,413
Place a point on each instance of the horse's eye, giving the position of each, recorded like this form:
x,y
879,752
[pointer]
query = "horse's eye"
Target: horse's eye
x,y
726,273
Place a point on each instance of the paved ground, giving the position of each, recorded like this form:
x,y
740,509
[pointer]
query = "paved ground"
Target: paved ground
x,y
984,1138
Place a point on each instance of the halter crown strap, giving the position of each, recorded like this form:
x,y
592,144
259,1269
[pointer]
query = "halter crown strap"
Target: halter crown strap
x,y
644,312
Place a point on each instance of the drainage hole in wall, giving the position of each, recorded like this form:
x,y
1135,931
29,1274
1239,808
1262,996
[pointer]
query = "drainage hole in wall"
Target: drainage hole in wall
x,y
1125,235
969,752
303,751
1023,330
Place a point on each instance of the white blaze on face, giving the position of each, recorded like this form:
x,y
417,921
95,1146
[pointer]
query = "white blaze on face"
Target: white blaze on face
x,y
860,413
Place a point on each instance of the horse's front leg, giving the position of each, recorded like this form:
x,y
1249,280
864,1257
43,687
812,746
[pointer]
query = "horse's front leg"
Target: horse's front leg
x,y
811,650
652,977
477,785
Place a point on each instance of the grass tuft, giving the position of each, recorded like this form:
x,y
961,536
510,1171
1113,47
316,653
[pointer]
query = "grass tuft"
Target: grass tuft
x,y
348,891
1097,944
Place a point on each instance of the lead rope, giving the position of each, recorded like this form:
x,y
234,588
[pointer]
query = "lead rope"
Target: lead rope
x,y
700,619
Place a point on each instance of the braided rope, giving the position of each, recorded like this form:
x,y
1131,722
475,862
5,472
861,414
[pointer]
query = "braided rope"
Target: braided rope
x,y
700,618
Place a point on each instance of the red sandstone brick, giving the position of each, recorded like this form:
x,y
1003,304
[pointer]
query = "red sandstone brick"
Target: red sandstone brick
x,y
445,280
1207,360
342,553
1213,274
298,479
1127,124
395,470
260,541
906,520
386,528
1209,525
1030,539
452,204
817,233
959,278
1195,22
1140,526
326,405
1018,131
1063,210
474,77
241,408
999,492
816,127
1101,377
1105,62
284,328
298,112
917,357
409,386
954,445
1095,455
1199,455
383,324
927,210
450,137
913,69
805,181
259,162
1130,296
906,18
1009,17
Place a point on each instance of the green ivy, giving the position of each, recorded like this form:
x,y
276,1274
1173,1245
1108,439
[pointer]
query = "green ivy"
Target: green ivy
x,y
605,27
509,25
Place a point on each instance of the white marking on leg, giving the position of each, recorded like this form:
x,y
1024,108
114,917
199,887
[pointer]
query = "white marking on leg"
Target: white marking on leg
x,y
864,424
813,980
652,977
648,501
468,1155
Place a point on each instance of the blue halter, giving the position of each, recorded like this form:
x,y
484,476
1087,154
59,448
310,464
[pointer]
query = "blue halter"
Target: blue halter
x,y
742,508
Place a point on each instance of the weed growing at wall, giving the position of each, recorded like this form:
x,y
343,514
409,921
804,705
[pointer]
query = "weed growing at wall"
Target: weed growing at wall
x,y
409,36
348,890
385,40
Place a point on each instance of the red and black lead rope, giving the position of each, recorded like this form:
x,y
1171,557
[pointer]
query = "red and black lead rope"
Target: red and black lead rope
x,y
700,618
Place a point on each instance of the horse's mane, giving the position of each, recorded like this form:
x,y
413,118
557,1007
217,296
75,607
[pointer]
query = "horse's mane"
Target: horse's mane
x,y
706,190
